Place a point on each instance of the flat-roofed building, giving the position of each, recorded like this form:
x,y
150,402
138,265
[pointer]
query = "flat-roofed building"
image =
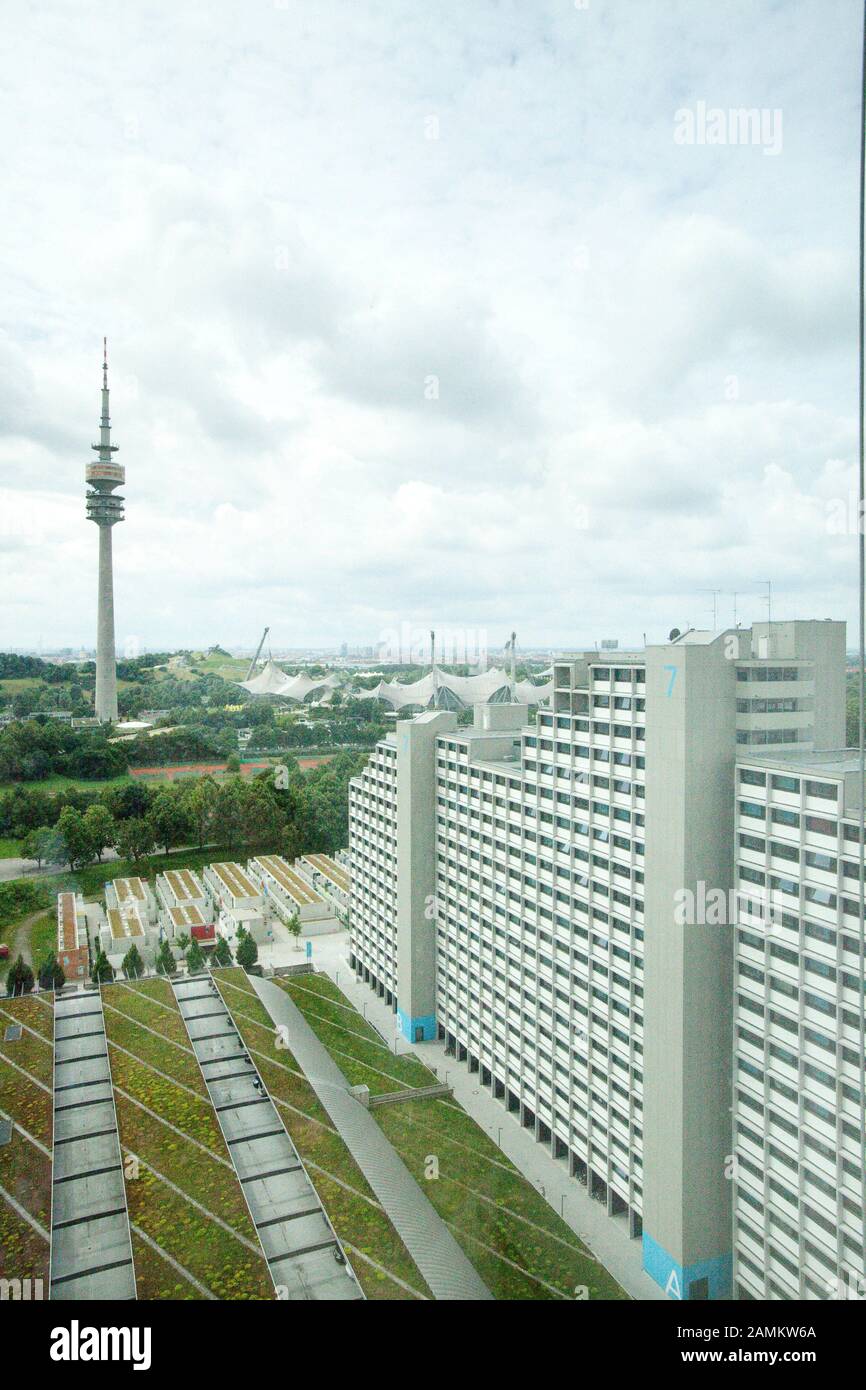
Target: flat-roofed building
x,y
229,886
73,952
328,877
236,901
287,892
183,903
123,928
516,891
132,894
799,1097
177,887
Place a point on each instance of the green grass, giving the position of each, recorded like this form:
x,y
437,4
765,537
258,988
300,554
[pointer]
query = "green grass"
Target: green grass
x,y
10,849
518,1244
43,937
356,1215
25,1171
91,880
13,685
56,783
214,1255
364,1059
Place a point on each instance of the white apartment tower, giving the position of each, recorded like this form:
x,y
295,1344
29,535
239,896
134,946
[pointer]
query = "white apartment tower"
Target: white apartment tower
x,y
522,891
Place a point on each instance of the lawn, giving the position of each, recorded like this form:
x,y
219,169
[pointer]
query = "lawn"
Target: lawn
x,y
358,1218
55,782
356,1046
189,1224
25,1171
519,1245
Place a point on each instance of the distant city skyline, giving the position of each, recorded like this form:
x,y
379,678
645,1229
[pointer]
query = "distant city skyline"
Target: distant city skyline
x,y
461,320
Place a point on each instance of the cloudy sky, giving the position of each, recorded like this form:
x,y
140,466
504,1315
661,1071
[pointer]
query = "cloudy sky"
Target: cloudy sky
x,y
429,313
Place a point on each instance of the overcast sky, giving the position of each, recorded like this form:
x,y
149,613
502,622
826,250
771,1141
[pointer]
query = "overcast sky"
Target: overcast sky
x,y
428,313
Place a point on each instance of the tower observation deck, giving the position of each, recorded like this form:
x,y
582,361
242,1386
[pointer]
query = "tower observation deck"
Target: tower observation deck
x,y
105,509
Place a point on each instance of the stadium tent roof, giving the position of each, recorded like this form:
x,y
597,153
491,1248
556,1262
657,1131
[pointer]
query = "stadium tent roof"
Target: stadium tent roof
x,y
272,681
444,691
269,681
530,694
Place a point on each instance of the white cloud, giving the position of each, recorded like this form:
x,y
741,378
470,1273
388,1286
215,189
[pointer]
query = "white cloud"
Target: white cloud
x,y
419,313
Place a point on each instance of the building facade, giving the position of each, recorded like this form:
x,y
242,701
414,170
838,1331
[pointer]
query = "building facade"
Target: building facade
x,y
522,891
798,1095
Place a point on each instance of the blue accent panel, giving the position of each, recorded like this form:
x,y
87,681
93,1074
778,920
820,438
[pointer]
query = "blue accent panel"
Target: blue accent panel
x,y
425,1021
676,1280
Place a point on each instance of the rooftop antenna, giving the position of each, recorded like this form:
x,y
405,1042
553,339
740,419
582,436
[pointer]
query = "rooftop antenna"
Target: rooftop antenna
x,y
512,644
769,584
715,593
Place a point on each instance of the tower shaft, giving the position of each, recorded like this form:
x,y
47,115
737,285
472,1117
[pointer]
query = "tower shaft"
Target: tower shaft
x,y
106,666
105,509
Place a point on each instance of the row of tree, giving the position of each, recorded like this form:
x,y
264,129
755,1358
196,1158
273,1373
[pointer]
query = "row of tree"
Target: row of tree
x,y
21,978
301,812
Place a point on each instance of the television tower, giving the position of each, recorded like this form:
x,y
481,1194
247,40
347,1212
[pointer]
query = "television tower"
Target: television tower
x,y
105,509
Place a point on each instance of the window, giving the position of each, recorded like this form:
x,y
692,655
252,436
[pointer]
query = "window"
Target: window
x,y
784,784
826,791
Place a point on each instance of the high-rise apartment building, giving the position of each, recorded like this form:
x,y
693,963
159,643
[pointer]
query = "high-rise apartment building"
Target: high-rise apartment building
x,y
799,1095
536,894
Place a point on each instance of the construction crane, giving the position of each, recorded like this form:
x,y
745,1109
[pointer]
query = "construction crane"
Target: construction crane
x,y
258,653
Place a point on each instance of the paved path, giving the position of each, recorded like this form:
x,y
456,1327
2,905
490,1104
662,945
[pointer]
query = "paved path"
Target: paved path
x,y
447,1270
20,944
607,1237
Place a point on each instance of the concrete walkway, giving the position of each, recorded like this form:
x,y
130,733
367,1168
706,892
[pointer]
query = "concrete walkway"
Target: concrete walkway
x,y
447,1270
607,1237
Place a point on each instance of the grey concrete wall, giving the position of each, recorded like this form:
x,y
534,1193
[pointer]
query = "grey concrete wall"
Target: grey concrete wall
x,y
106,668
690,749
416,874
824,644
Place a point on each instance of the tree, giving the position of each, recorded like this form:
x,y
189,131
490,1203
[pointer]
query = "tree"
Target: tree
x,y
194,958
168,818
223,952
263,817
248,952
199,802
182,941
19,980
293,927
165,964
135,839
77,843
44,845
133,965
51,974
233,763
229,812
103,971
293,841
99,828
